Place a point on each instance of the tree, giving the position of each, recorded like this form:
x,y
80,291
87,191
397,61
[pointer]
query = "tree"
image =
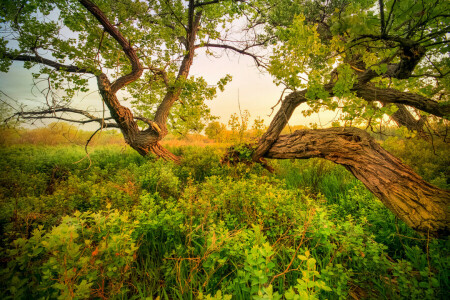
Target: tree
x,y
366,58
258,126
215,130
141,48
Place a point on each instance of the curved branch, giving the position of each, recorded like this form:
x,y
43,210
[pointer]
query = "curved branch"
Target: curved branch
x,y
279,121
48,62
419,204
371,93
367,91
229,47
130,52
51,114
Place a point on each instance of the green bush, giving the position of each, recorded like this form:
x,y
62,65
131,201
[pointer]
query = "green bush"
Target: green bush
x,y
134,228
88,254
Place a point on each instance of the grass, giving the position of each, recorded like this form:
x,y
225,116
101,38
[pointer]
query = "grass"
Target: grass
x,y
143,228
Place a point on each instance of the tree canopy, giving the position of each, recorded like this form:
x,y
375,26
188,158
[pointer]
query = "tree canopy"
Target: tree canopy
x,y
370,60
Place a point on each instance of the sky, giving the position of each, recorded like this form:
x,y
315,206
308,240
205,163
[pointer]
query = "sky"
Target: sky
x,y
253,89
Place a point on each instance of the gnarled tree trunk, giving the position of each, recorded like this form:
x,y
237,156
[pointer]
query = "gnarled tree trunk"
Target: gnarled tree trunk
x,y
143,141
419,204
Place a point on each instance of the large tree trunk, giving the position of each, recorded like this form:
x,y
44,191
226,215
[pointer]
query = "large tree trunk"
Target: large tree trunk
x,y
419,204
144,141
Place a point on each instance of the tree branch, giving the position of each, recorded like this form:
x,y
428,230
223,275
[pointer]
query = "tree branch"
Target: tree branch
x,y
383,24
130,52
51,114
371,93
48,62
199,4
388,21
229,47
279,121
419,204
174,92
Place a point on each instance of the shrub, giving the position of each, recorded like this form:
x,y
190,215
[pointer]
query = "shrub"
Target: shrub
x,y
88,254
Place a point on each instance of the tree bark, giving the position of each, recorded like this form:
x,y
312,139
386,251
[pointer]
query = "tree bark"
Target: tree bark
x,y
419,204
370,92
143,141
404,118
280,120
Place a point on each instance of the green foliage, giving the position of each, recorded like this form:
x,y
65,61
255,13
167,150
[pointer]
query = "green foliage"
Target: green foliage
x,y
258,127
430,159
319,44
87,254
58,133
307,287
129,227
158,177
239,125
214,131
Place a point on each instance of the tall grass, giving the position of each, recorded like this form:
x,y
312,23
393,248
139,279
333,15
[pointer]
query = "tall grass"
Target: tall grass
x,y
129,227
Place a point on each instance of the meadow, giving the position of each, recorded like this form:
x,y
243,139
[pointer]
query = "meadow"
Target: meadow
x,y
120,226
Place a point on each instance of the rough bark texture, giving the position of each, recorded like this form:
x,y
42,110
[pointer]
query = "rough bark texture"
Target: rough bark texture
x,y
404,118
143,141
369,92
419,204
280,120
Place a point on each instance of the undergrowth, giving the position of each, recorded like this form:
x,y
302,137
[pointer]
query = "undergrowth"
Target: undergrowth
x,y
127,227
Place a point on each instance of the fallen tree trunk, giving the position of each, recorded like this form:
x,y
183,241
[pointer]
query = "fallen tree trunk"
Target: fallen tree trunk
x,y
419,204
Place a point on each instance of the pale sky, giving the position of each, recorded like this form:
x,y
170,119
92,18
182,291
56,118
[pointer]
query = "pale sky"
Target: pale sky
x,y
257,92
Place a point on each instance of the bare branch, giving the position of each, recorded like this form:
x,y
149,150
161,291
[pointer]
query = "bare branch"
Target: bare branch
x,y
383,24
229,47
431,75
388,21
51,114
199,4
48,62
175,15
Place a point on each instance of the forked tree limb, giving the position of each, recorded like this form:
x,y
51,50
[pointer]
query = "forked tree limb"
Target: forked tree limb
x,y
143,141
419,204
162,112
367,92
130,52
